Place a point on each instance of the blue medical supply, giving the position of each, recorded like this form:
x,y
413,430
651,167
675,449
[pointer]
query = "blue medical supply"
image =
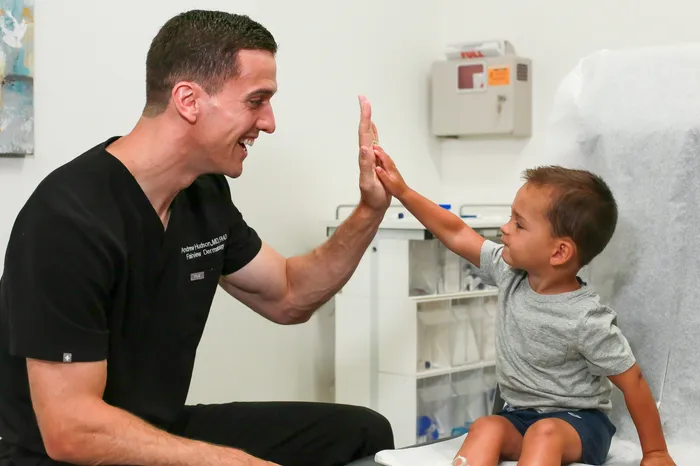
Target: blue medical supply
x,y
427,428
461,430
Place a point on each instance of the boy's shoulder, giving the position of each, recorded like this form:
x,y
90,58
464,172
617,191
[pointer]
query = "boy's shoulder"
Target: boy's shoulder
x,y
578,305
591,309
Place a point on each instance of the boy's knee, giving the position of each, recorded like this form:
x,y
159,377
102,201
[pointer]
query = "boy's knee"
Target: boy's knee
x,y
545,428
487,425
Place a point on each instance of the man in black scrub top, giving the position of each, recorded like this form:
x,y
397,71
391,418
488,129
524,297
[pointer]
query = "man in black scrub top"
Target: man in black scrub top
x,y
113,262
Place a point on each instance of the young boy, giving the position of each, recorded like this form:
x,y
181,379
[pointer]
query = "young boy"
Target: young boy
x,y
556,344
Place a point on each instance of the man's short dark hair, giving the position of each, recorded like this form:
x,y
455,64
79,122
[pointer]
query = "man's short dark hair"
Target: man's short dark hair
x,y
200,46
582,208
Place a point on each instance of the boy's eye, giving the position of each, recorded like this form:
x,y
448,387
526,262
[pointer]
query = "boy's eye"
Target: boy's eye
x,y
518,226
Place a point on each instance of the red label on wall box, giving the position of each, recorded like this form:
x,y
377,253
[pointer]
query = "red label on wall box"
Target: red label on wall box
x,y
472,54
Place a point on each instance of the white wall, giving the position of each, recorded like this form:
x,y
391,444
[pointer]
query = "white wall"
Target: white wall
x,y
90,58
555,35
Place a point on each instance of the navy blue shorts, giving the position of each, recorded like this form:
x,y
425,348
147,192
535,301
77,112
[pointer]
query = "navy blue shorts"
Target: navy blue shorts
x,y
593,426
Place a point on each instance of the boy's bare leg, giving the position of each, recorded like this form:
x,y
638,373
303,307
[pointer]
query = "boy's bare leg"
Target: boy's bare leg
x,y
490,439
550,442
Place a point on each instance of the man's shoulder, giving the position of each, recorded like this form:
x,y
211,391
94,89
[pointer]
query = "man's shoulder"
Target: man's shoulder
x,y
78,189
89,170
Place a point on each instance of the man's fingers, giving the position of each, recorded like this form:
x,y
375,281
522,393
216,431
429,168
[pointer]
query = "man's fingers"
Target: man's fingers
x,y
366,159
375,133
365,115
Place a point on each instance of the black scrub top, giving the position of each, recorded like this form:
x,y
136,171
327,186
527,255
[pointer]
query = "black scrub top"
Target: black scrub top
x,y
91,274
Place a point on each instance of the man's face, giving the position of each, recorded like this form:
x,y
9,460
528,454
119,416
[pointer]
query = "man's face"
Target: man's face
x,y
231,119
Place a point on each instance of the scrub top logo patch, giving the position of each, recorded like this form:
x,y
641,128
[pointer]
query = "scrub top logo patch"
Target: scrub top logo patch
x,y
205,248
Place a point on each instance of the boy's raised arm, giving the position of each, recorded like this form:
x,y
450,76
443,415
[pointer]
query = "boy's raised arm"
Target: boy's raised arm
x,y
446,226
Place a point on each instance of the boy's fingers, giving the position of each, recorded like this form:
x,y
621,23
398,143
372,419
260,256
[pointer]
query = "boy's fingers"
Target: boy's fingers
x,y
384,158
381,155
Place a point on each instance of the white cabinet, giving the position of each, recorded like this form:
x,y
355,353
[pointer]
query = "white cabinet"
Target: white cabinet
x,y
414,332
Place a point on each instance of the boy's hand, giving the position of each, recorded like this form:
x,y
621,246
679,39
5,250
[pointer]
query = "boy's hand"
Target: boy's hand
x,y
657,458
389,174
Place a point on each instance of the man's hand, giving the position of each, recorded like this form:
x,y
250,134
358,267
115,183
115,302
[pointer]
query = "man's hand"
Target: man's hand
x,y
657,459
78,427
371,189
389,174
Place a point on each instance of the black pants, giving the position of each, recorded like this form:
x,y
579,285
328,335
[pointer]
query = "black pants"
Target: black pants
x,y
290,434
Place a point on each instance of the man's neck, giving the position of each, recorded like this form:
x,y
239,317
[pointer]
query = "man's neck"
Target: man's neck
x,y
158,158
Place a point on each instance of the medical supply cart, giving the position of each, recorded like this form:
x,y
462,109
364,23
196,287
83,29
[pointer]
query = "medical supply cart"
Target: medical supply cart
x,y
414,328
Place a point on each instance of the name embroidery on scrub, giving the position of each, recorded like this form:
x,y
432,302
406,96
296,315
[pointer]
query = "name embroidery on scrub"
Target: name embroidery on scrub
x,y
205,248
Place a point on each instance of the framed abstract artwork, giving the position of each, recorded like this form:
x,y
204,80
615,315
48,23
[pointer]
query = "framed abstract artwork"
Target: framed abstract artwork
x,y
17,72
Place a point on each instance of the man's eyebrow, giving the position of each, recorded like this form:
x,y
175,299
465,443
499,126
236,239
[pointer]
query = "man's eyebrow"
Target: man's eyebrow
x,y
262,92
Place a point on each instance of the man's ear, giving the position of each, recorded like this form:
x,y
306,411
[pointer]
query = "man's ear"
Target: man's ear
x,y
565,252
186,97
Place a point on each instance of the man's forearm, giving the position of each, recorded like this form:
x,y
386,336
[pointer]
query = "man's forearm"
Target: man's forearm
x,y
644,413
314,278
109,435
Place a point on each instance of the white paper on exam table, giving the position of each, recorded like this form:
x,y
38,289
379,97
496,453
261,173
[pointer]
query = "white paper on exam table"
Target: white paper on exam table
x,y
622,453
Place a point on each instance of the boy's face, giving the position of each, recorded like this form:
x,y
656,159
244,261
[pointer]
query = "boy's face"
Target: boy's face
x,y
529,243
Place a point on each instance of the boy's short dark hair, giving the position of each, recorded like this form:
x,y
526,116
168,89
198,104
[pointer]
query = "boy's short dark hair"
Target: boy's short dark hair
x,y
582,208
200,46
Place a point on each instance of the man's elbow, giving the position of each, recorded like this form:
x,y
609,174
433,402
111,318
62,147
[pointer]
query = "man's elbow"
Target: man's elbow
x,y
294,317
293,311
63,445
66,438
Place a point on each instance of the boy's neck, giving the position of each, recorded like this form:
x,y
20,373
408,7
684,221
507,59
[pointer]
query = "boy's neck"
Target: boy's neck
x,y
553,283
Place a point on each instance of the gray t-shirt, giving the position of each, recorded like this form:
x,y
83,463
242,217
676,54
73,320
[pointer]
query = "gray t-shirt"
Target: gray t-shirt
x,y
553,352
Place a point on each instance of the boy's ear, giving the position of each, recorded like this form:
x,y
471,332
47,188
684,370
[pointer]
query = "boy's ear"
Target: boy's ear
x,y
564,252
